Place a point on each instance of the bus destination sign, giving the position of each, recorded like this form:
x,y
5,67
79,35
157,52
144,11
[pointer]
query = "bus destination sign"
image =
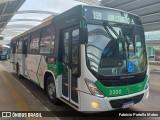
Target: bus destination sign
x,y
111,15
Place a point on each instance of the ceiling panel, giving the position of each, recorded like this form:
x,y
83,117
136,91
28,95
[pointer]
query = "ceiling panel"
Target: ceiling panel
x,y
114,3
138,4
1,25
148,10
4,19
152,26
1,8
7,10
151,18
11,6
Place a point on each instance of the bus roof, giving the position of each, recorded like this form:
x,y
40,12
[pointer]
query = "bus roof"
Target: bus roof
x,y
33,29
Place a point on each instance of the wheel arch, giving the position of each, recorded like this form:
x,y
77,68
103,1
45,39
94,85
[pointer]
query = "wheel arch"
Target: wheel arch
x,y
46,75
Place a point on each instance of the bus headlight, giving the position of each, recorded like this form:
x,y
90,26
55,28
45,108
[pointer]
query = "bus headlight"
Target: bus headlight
x,y
94,104
93,89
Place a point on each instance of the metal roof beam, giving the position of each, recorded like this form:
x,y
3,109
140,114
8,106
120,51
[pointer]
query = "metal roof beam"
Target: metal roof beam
x,y
147,10
18,26
4,8
4,1
151,18
115,3
152,26
107,1
127,2
30,11
91,2
3,12
158,22
122,5
21,20
17,7
33,20
36,11
137,4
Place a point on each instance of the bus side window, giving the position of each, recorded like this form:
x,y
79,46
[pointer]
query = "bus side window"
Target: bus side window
x,y
51,32
34,44
25,45
47,41
19,46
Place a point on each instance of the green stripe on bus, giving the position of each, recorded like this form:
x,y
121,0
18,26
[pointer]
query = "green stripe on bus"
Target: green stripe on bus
x,y
55,68
121,90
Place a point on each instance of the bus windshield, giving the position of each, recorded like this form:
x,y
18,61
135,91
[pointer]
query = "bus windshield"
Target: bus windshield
x,y
109,55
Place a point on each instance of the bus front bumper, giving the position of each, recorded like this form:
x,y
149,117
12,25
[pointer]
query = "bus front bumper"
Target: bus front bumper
x,y
90,103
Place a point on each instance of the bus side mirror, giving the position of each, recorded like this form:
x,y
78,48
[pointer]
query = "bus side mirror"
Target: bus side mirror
x,y
83,36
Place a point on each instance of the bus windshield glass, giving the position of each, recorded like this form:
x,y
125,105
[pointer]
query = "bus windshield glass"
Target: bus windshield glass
x,y
108,55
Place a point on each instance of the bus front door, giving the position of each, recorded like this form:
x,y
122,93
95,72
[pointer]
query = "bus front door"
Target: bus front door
x,y
70,40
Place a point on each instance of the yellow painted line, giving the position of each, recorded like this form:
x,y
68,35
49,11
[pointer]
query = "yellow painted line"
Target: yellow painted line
x,y
68,104
14,92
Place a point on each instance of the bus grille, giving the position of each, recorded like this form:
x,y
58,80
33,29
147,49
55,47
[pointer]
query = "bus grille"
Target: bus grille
x,y
122,82
119,102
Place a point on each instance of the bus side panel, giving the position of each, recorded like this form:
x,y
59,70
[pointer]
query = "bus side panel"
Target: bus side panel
x,y
37,67
54,69
32,67
42,68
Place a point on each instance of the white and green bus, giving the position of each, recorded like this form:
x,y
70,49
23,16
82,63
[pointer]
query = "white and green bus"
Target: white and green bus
x,y
92,58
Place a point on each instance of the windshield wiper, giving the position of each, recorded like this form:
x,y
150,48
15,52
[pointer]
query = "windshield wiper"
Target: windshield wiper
x,y
105,25
119,37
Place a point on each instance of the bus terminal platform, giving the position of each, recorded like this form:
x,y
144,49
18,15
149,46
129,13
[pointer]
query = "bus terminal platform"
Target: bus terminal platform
x,y
15,97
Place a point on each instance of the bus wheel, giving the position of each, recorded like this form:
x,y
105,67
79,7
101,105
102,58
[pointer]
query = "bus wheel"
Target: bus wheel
x,y
18,72
51,90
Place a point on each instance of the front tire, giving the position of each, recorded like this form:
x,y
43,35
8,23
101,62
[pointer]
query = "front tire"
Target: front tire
x,y
51,90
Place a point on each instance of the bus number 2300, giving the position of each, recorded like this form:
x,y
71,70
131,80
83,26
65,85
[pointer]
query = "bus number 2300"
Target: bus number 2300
x,y
115,92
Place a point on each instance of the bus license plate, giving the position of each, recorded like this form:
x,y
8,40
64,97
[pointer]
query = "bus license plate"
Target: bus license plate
x,y
129,104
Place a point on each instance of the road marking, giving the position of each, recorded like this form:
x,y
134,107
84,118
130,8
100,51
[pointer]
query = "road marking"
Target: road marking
x,y
19,100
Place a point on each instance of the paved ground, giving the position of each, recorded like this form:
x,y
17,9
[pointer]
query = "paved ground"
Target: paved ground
x,y
16,97
41,102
